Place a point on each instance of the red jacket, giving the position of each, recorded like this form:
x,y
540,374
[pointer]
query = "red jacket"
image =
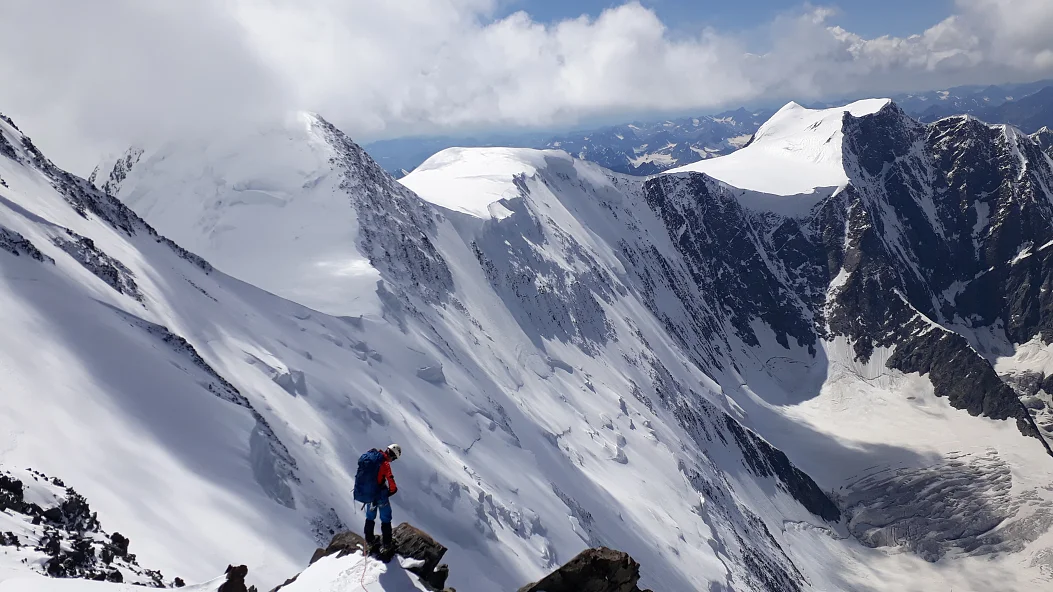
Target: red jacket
x,y
385,473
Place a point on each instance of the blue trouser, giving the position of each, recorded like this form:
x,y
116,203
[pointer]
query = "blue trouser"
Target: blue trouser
x,y
384,506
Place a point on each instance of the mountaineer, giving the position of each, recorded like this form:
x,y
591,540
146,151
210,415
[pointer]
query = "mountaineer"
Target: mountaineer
x,y
374,484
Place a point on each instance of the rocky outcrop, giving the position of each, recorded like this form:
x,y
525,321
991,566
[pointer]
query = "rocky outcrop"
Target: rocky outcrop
x,y
593,570
413,543
726,260
18,245
396,226
108,269
66,531
766,460
236,580
344,543
410,543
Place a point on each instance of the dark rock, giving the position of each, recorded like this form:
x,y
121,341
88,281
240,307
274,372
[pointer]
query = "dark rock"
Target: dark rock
x,y
594,570
439,576
343,543
112,271
178,583
18,245
236,580
413,543
285,583
120,544
70,536
960,374
410,542
397,226
766,460
705,221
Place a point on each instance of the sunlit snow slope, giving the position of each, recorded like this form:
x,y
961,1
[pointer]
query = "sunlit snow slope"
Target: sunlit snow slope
x,y
471,180
238,190
797,151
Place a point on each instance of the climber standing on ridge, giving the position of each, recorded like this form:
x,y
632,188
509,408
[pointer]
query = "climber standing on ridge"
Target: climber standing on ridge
x,y
374,484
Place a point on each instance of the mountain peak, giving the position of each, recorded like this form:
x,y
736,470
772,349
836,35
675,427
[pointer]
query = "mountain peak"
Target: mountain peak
x,y
275,203
797,151
471,180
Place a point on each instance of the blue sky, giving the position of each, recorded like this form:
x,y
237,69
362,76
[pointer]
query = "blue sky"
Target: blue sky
x,y
870,18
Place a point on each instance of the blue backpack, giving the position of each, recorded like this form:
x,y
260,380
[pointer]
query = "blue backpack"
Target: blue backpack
x,y
367,489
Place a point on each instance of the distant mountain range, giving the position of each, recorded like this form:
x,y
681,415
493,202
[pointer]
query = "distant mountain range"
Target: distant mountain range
x,y
1017,104
646,148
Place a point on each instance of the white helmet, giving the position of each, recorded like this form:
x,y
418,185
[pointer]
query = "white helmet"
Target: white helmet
x,y
395,451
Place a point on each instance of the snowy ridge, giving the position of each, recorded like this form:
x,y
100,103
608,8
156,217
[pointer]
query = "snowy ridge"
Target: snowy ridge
x,y
798,151
355,572
49,528
240,187
469,180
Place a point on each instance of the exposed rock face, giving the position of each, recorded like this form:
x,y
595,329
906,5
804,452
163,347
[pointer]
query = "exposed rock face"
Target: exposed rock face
x,y
706,221
1044,138
410,542
18,245
766,460
236,580
397,227
344,543
414,543
66,531
941,225
106,268
593,570
112,184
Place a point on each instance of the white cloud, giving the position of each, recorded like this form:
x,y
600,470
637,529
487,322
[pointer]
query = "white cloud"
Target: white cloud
x,y
85,75
82,75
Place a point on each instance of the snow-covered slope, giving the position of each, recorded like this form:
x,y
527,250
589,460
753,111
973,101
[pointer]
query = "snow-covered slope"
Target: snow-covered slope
x,y
102,391
528,414
791,340
469,180
739,399
240,188
350,573
797,151
355,572
43,584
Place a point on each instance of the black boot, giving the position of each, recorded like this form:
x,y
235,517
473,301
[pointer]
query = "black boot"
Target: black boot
x,y
371,538
387,549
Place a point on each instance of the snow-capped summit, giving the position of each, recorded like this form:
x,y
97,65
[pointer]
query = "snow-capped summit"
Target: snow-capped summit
x,y
473,180
795,152
277,206
1044,138
469,180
